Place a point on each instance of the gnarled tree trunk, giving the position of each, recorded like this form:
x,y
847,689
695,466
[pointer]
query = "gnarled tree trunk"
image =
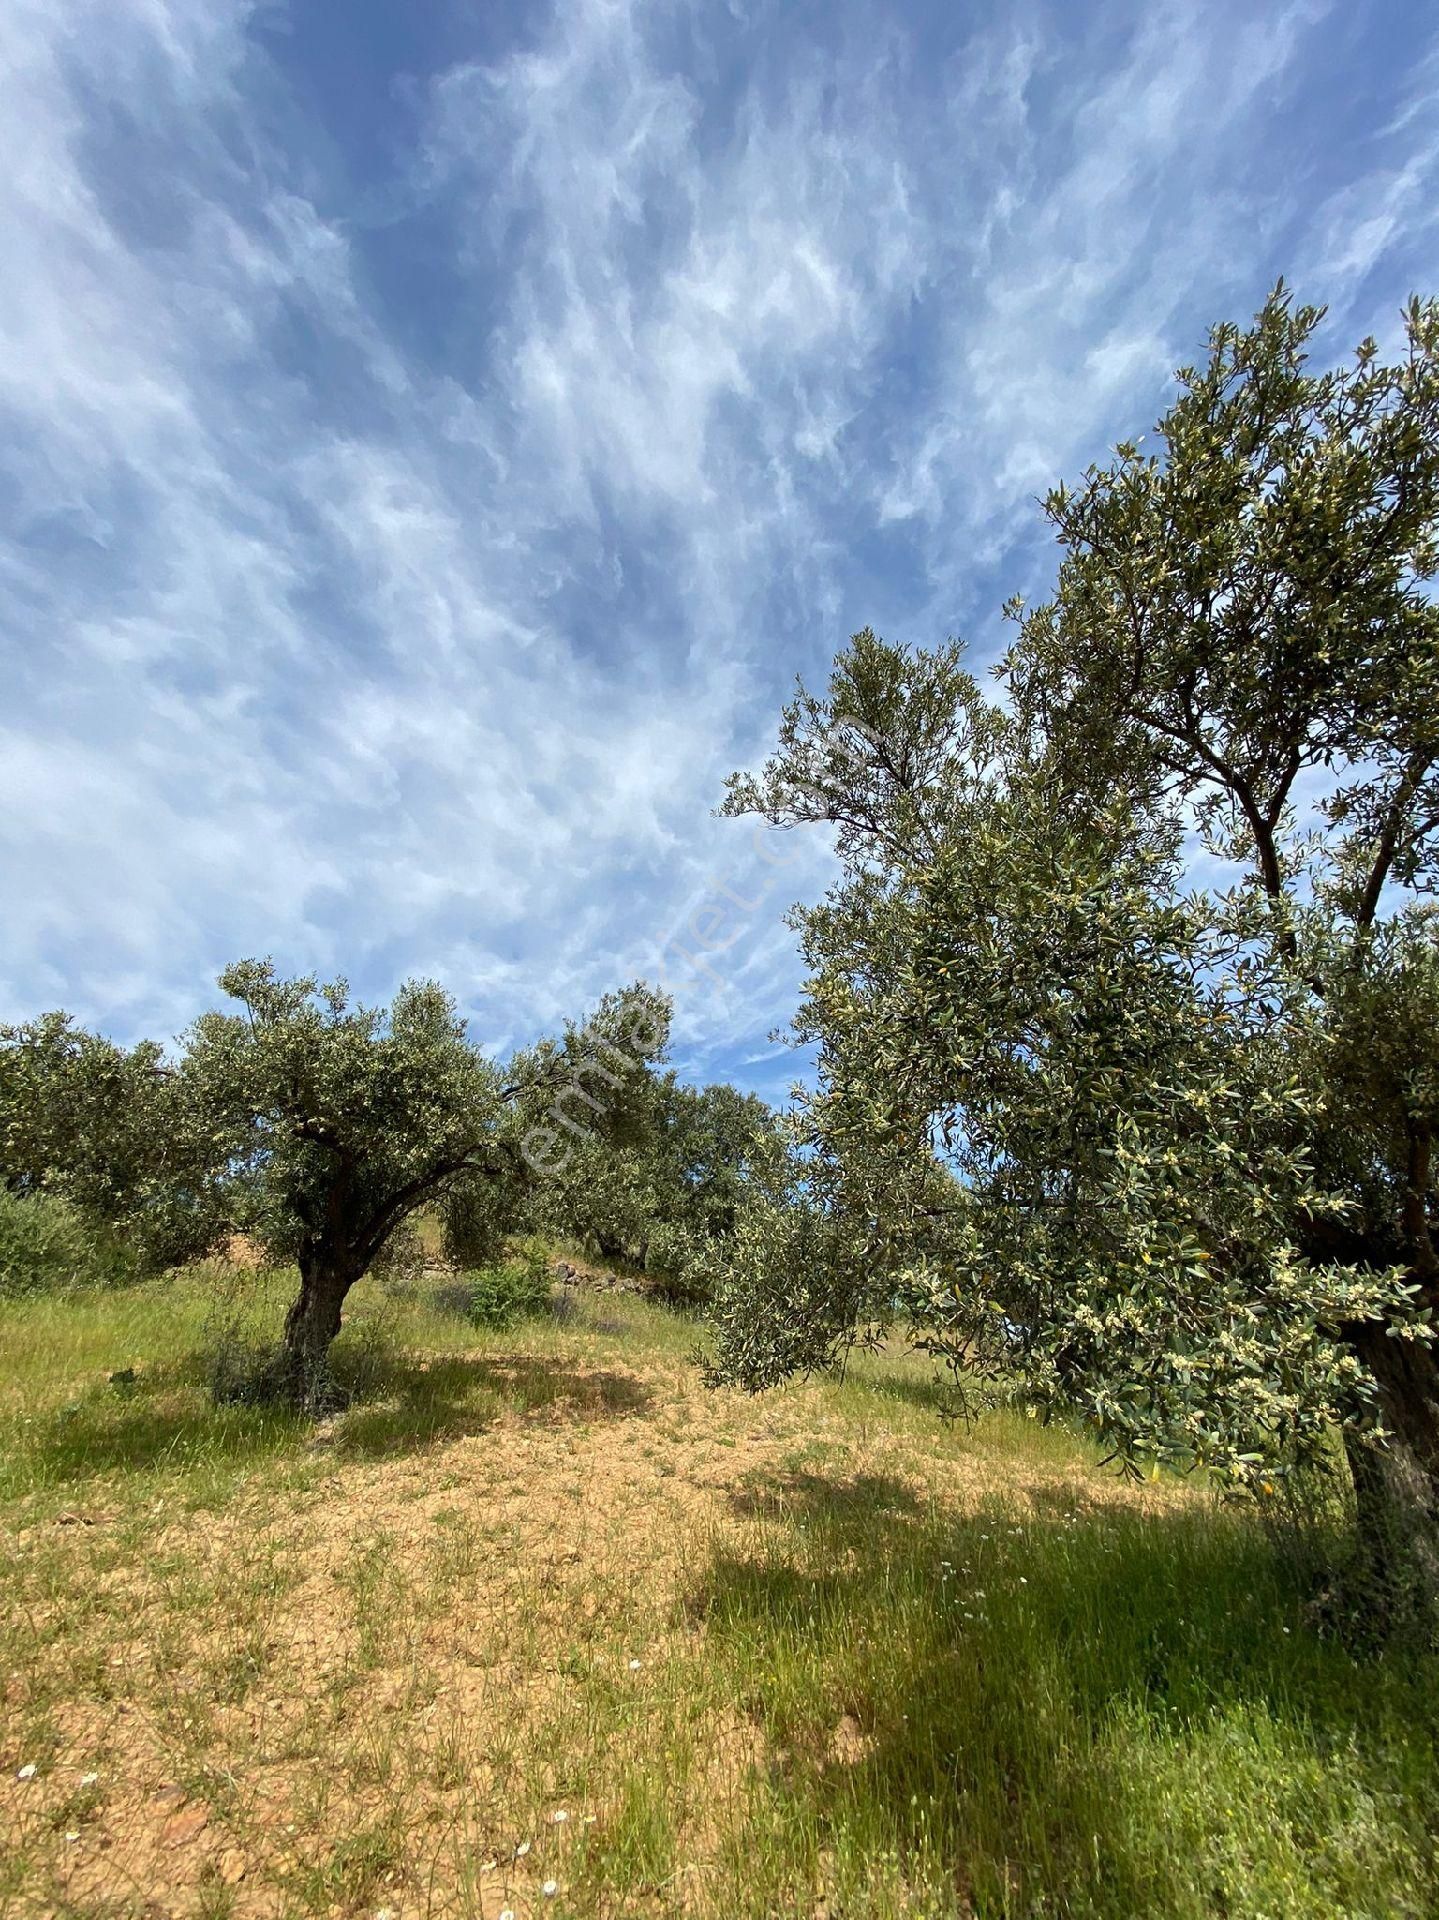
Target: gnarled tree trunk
x,y
1396,1484
1396,1480
326,1276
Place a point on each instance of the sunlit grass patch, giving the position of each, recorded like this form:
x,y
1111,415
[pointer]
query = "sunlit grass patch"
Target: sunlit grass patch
x,y
118,1389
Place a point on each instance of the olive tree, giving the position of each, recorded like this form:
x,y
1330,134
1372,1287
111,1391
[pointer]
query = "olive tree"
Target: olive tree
x,y
661,1192
1166,1147
335,1122
111,1130
314,1125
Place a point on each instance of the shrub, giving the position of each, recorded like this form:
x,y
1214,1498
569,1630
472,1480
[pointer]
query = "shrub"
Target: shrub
x,y
518,1288
47,1245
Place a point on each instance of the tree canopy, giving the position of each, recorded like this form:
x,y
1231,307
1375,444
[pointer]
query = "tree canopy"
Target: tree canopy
x,y
1125,995
111,1129
664,1192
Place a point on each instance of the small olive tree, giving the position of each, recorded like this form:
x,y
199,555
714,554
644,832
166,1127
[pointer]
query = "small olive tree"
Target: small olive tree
x,y
333,1123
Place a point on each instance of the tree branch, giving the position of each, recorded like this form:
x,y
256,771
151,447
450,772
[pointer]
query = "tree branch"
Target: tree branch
x,y
1420,762
408,1197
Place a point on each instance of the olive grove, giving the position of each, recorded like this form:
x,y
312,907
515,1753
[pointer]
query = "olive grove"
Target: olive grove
x,y
315,1126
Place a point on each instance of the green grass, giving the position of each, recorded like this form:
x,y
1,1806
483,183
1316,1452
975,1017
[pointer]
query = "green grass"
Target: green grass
x,y
886,1666
1090,1715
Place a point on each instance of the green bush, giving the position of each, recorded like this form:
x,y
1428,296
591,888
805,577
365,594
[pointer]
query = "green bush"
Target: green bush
x,y
518,1288
46,1245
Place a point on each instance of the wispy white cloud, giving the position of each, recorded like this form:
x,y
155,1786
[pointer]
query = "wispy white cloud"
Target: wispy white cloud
x,y
394,627
1389,210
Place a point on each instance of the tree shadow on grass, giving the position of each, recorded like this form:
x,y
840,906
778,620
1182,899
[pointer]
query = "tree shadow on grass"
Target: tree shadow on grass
x,y
150,1433
394,1401
448,1397
1098,1713
814,1499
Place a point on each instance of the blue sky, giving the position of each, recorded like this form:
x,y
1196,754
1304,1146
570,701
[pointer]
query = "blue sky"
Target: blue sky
x,y
435,435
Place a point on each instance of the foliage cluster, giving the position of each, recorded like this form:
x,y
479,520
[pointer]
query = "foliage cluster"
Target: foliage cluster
x,y
1160,1134
48,1246
666,1195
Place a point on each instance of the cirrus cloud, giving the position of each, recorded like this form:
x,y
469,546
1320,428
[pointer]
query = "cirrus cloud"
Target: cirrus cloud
x,y
431,446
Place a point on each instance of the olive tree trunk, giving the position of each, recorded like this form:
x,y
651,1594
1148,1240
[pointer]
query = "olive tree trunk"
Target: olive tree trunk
x,y
1396,1485
326,1277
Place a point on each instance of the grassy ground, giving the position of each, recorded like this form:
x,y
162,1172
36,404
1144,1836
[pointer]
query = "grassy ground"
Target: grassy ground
x,y
539,1612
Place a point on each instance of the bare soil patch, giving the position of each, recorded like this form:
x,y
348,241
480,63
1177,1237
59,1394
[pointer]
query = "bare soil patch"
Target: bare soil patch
x,y
419,1682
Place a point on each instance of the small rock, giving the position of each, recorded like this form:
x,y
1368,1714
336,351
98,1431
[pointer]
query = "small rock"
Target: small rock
x,y
180,1831
232,1866
27,1772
